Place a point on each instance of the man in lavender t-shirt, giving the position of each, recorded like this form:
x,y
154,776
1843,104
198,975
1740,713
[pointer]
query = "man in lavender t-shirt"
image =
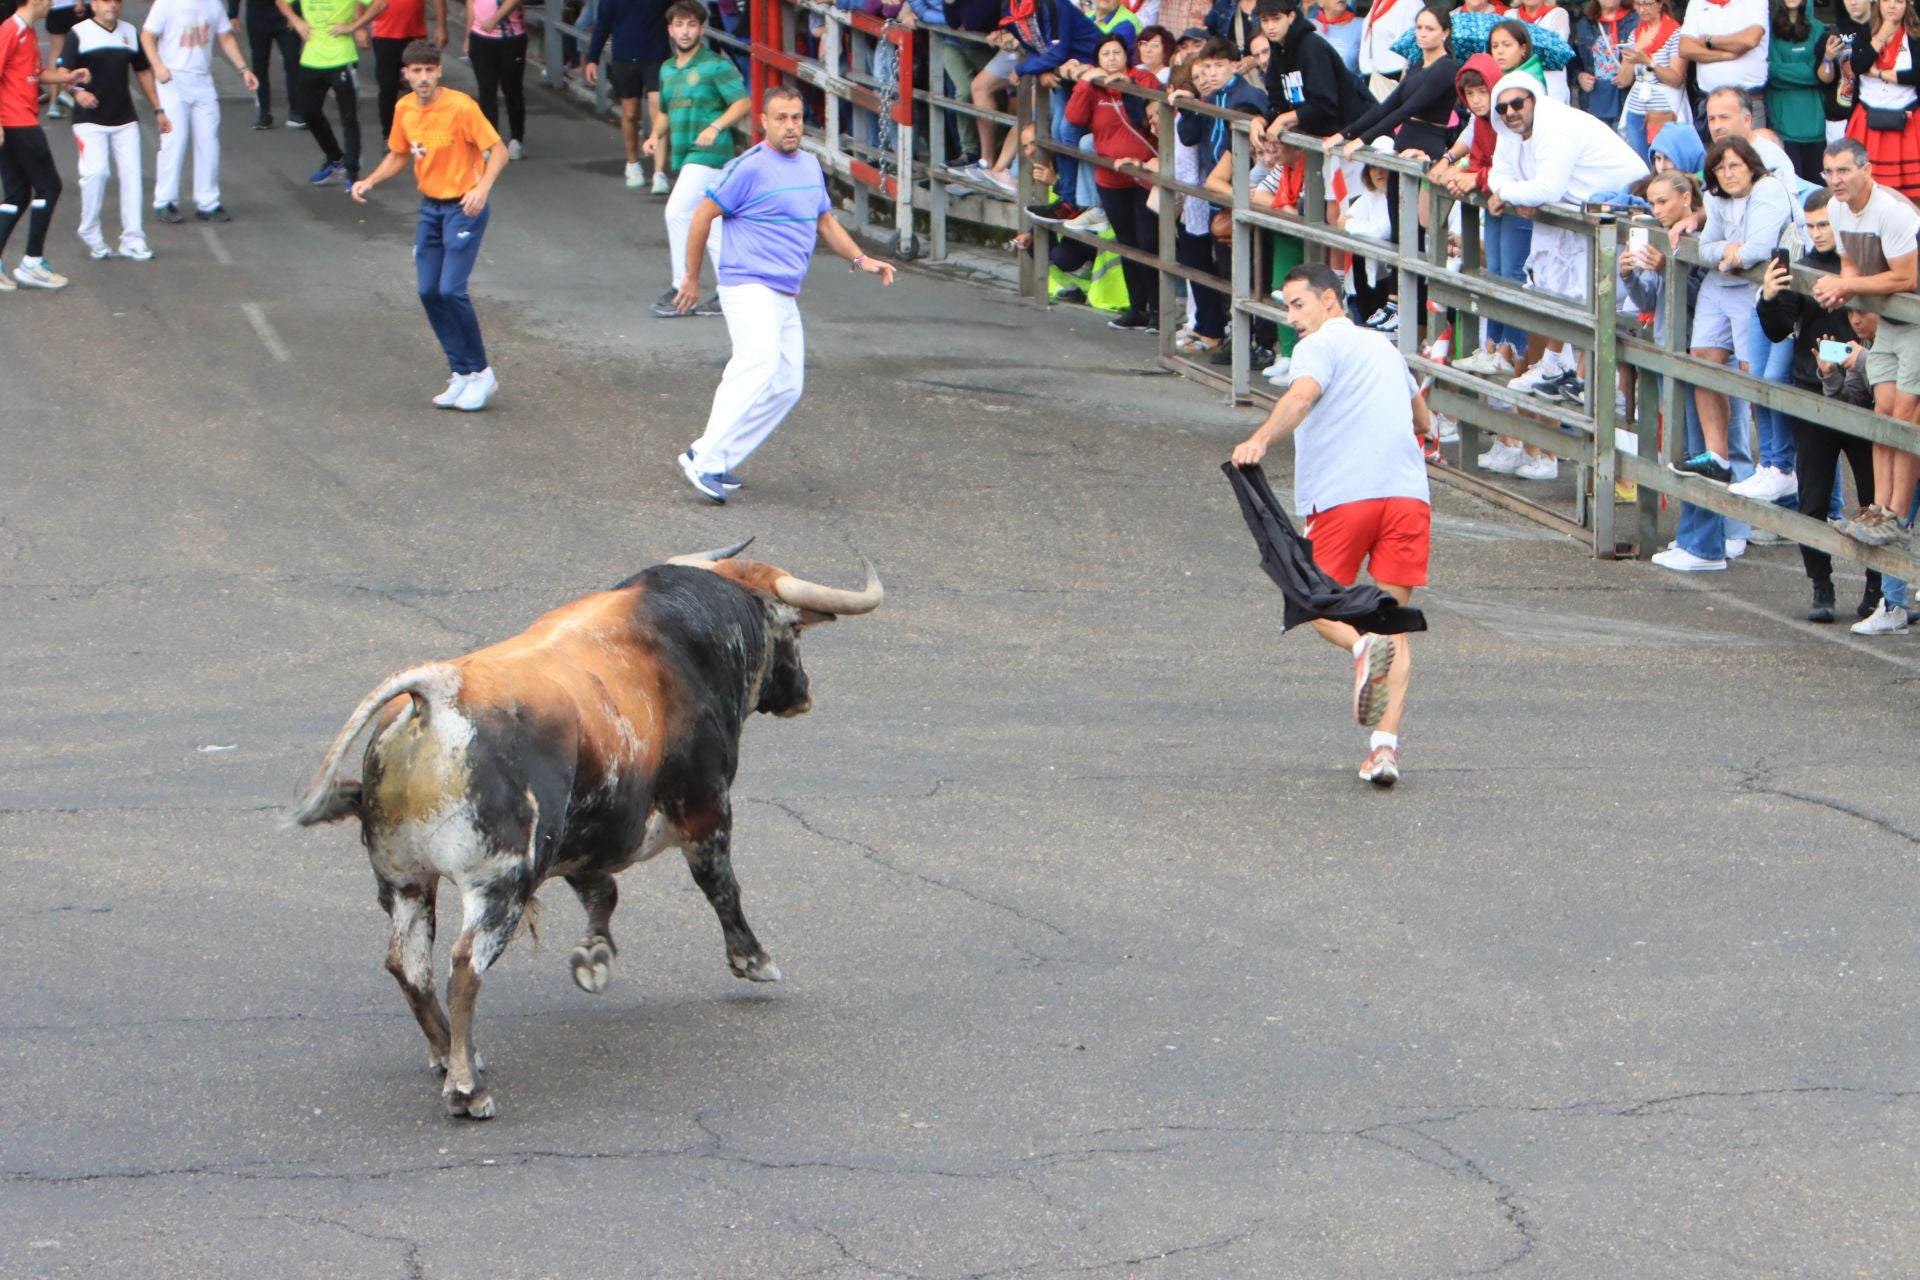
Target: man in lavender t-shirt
x,y
774,198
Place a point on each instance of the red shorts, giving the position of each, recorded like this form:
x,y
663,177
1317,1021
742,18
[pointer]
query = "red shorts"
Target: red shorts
x,y
1392,535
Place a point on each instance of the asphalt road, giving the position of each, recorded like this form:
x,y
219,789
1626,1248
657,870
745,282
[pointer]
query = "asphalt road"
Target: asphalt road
x,y
1099,961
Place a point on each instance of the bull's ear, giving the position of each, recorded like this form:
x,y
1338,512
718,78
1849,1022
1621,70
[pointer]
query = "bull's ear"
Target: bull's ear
x,y
813,617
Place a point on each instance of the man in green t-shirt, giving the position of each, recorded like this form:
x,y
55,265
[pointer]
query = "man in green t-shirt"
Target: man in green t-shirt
x,y
330,32
703,98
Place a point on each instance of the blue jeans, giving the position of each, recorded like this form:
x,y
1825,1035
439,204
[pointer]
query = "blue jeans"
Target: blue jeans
x,y
1894,590
1633,127
1509,236
1066,168
1774,362
1701,531
444,249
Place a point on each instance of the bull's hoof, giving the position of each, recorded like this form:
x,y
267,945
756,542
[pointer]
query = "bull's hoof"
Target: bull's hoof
x,y
477,1105
592,964
760,968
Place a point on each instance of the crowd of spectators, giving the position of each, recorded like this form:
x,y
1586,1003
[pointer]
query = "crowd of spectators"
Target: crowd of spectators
x,y
1738,127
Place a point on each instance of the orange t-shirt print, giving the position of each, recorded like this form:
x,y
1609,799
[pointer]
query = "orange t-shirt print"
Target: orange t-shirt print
x,y
448,141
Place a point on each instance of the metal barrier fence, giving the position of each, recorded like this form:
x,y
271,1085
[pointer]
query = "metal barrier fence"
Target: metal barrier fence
x,y
881,162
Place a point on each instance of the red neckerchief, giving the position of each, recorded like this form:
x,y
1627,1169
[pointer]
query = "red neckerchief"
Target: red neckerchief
x,y
1613,25
1661,33
1020,18
1533,16
1321,20
1890,55
1378,12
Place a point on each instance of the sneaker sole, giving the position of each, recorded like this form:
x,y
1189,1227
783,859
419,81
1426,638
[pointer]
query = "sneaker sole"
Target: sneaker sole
x,y
1385,777
1370,683
693,480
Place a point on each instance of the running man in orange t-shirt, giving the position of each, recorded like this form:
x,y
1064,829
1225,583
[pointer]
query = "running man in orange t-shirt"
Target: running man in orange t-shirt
x,y
457,157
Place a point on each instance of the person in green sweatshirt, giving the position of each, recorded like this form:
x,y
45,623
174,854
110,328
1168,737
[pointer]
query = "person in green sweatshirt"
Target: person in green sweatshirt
x,y
1797,75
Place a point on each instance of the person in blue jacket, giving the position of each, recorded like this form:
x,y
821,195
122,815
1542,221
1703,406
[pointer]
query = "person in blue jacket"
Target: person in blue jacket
x,y
1044,34
639,31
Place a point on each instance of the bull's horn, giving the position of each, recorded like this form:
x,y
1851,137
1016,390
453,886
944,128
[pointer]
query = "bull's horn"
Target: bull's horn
x,y
699,558
802,594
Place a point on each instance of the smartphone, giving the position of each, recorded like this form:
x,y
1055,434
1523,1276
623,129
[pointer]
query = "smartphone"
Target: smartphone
x,y
1638,238
1784,258
1833,352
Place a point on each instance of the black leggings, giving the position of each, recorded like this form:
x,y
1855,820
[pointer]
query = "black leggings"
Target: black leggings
x,y
29,183
500,66
1807,157
345,83
386,76
1138,227
260,41
1817,452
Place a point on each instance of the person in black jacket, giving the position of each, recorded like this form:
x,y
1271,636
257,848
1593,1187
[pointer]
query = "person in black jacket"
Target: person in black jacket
x,y
1309,88
1785,314
1215,80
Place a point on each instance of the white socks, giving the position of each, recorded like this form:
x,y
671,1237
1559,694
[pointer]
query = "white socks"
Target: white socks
x,y
1384,740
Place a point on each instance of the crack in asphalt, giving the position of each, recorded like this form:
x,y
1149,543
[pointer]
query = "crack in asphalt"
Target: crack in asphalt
x,y
1759,781
410,1257
873,855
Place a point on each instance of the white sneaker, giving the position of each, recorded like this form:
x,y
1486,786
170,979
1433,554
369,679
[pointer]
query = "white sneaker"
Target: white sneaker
x,y
1543,467
1681,561
1504,459
1883,621
1768,484
1005,181
6,282
1529,382
99,251
1092,220
1281,370
636,176
451,396
137,251
39,277
661,186
478,391
1445,429
1736,547
1487,364
514,150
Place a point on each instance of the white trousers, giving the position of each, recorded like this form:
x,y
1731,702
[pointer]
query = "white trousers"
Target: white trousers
x,y
689,189
108,149
763,380
193,106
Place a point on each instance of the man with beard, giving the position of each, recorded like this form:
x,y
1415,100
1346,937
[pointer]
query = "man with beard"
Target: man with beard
x,y
704,98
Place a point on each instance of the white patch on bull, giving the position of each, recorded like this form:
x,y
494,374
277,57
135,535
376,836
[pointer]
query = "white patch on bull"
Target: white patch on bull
x,y
659,836
533,828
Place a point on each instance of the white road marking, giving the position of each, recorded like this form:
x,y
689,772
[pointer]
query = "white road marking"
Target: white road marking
x,y
268,338
215,247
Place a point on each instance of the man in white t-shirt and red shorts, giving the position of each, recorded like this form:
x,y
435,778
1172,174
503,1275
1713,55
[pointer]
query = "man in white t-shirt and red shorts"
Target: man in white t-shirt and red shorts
x,y
1360,485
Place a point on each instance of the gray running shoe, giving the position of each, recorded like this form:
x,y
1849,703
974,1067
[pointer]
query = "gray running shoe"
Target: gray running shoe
x,y
663,306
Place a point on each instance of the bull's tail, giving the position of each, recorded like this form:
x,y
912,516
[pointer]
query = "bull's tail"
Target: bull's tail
x,y
329,798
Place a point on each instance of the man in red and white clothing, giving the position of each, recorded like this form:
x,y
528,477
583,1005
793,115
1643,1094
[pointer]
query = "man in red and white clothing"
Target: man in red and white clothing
x,y
1726,41
1360,485
29,182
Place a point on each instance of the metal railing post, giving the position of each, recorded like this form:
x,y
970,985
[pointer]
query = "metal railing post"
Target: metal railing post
x,y
903,229
1169,246
937,142
1035,268
1603,377
1242,284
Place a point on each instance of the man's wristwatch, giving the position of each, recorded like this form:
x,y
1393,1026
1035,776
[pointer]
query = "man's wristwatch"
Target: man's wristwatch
x,y
858,258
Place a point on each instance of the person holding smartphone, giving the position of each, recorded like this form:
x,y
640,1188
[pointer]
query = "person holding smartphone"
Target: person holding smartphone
x,y
1828,357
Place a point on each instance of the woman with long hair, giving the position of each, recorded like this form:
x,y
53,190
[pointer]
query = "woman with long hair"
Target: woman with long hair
x,y
1888,66
1796,94
1654,75
1603,31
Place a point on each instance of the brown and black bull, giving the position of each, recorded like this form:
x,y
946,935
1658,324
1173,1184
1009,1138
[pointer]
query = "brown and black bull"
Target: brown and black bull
x,y
606,732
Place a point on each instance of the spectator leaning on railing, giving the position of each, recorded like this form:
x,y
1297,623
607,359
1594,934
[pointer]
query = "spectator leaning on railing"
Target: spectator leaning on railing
x,y
1876,229
1118,123
1215,81
1044,34
1785,314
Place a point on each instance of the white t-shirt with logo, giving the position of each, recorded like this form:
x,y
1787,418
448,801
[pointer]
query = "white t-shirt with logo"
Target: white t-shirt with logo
x,y
1749,70
1357,441
185,31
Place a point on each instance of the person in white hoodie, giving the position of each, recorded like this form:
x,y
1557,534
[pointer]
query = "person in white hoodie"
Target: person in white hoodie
x,y
1548,152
